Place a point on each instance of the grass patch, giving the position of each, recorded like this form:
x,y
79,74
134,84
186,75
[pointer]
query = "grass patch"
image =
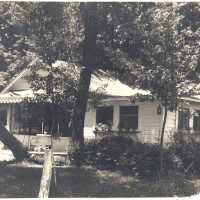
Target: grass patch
x,y
17,182
89,182
23,182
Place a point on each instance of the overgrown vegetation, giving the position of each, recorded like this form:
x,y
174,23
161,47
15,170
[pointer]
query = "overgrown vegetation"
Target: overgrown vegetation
x,y
153,46
187,150
122,153
138,159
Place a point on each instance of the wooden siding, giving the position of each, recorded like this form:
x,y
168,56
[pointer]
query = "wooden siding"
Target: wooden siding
x,y
90,122
149,121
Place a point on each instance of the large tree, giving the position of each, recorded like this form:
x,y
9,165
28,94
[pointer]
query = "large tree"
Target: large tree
x,y
147,42
68,31
89,12
169,62
48,25
11,142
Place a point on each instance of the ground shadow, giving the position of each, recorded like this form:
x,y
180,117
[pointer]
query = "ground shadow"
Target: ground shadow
x,y
18,182
89,182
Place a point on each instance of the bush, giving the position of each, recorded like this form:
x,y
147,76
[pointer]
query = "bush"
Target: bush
x,y
187,151
122,153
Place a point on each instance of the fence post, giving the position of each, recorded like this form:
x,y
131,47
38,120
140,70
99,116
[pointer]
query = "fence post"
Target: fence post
x,y
45,183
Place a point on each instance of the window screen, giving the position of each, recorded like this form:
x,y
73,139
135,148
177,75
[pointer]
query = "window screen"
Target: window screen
x,y
129,117
183,119
104,115
196,121
3,117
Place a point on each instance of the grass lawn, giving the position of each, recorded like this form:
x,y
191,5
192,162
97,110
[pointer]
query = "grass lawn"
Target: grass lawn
x,y
18,182
89,182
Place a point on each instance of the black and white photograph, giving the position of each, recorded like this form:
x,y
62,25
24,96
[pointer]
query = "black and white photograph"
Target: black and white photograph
x,y
99,99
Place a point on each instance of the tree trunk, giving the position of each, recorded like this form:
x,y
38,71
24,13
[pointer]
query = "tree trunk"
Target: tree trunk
x,y
162,140
13,144
89,62
80,108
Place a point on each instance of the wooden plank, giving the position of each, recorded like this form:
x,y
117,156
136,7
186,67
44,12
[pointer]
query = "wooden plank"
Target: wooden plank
x,y
46,175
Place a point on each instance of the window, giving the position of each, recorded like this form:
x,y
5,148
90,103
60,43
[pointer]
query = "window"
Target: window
x,y
27,119
183,119
104,115
196,121
3,117
129,117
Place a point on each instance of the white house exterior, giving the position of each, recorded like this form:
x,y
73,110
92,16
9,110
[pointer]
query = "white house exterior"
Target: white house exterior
x,y
144,118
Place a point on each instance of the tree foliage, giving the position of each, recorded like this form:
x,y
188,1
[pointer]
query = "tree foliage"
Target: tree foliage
x,y
16,49
153,46
55,88
171,52
56,30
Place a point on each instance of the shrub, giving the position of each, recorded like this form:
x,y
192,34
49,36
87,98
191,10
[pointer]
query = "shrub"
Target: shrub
x,y
122,153
187,151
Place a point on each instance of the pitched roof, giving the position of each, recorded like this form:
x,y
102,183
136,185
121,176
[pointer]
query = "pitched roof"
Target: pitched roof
x,y
15,92
113,87
18,77
16,97
195,98
19,88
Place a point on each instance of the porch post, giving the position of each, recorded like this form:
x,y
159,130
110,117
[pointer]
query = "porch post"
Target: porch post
x,y
191,119
9,115
161,124
176,119
115,117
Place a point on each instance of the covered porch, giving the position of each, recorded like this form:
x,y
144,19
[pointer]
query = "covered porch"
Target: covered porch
x,y
29,128
20,116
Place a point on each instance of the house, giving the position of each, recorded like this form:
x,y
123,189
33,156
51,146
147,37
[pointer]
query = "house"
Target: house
x,y
143,120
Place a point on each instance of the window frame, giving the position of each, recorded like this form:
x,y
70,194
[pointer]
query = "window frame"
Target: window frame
x,y
183,124
134,116
196,128
105,107
5,112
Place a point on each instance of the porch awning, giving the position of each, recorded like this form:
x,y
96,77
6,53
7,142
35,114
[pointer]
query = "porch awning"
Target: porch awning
x,y
195,98
16,96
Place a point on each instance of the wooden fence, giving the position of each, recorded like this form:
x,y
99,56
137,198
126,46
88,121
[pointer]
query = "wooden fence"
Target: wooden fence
x,y
47,174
